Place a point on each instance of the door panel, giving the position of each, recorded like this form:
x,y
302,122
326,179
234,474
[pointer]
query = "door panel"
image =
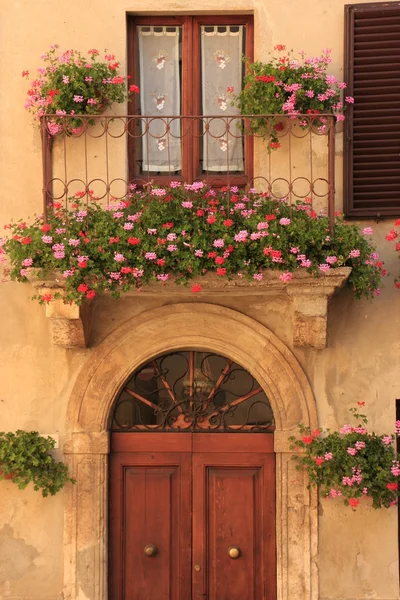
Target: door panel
x,y
215,489
150,503
234,505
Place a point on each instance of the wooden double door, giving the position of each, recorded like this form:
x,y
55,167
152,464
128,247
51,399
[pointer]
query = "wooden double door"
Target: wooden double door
x,y
192,516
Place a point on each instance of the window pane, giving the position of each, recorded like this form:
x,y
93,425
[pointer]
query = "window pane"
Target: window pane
x,y
222,48
160,98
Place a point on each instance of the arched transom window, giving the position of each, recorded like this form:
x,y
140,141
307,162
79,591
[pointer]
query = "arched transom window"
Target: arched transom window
x,y
192,391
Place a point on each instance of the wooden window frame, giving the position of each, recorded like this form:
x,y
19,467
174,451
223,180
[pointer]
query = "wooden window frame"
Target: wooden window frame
x,y
191,87
348,188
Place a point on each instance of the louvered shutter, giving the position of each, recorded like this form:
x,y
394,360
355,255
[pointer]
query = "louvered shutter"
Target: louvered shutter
x,y
372,127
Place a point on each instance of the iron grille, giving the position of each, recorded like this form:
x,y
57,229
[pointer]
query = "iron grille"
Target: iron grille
x,y
191,391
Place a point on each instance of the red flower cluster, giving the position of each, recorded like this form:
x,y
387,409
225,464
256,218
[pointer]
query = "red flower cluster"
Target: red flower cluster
x,y
266,78
392,486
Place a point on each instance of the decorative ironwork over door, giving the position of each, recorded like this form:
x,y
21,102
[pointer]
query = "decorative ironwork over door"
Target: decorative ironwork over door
x,y
192,391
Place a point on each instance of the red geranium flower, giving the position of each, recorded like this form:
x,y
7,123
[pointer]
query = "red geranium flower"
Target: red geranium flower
x,y
82,288
90,294
196,287
392,486
307,439
133,241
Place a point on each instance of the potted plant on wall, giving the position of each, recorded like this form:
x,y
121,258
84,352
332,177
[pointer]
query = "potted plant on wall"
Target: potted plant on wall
x,y
25,457
393,236
290,85
73,84
352,463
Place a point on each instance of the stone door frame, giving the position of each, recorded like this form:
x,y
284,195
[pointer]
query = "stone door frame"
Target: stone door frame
x,y
186,326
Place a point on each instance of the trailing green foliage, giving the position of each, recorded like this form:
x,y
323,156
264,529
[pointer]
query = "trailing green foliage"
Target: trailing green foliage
x,y
26,456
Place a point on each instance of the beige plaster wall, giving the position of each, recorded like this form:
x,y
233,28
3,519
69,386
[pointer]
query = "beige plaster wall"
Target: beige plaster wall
x,y
358,551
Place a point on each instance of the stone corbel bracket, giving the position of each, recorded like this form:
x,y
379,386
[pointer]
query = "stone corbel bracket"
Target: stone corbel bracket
x,y
310,301
70,324
309,297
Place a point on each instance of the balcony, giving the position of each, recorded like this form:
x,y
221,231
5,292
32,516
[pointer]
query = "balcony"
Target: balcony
x,y
112,155
109,157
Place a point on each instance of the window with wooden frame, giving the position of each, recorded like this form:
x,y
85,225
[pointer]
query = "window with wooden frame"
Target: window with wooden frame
x,y
372,126
185,128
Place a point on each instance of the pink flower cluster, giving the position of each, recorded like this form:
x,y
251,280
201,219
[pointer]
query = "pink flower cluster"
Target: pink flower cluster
x,y
63,87
355,478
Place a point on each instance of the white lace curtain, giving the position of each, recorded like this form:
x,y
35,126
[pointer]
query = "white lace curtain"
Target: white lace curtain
x,y
160,95
221,56
221,52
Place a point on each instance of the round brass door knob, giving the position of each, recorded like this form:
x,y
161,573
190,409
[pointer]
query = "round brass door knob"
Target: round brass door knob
x,y
151,550
234,551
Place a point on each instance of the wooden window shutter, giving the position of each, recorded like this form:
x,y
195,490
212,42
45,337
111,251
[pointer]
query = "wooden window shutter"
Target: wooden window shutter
x,y
372,126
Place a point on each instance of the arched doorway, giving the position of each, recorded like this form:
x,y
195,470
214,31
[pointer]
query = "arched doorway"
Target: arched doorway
x,y
167,329
192,483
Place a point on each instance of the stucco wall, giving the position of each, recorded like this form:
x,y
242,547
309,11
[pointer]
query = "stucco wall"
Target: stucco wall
x,y
358,550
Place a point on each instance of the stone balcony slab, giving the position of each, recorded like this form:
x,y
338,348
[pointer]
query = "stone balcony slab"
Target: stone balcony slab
x,y
309,299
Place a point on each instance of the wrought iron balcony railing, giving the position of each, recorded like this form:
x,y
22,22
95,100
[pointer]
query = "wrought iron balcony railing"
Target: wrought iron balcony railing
x,y
111,155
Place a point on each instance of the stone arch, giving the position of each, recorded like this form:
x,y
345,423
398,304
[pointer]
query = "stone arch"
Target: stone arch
x,y
173,327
